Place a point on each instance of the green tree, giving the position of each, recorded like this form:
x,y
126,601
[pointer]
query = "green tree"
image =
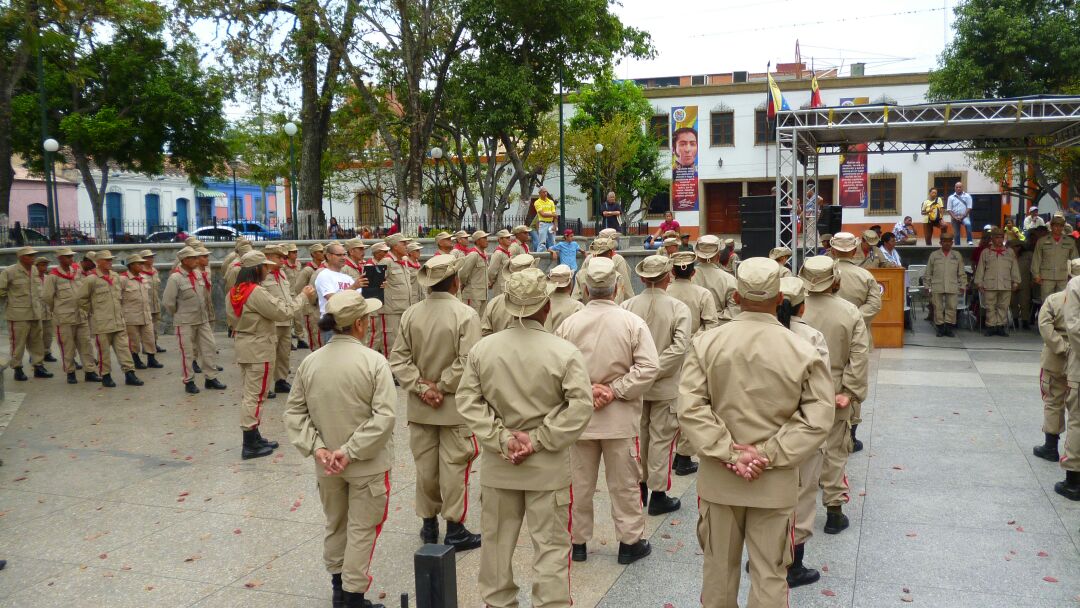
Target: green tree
x,y
18,21
1013,48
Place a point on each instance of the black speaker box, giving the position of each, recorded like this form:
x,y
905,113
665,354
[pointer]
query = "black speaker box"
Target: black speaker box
x,y
985,209
830,219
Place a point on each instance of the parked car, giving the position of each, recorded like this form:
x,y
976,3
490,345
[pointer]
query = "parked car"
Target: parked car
x,y
215,233
253,230
164,236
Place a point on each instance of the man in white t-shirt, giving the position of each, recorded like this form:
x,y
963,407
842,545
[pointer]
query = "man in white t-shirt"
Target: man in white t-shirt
x,y
331,280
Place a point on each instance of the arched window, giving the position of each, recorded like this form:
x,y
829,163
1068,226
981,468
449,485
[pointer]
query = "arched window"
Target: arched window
x,y
37,215
153,212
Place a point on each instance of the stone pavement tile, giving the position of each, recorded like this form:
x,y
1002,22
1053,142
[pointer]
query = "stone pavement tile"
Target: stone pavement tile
x,y
1027,352
206,547
930,378
82,473
873,595
83,532
1013,367
1028,381
945,431
924,354
206,487
927,365
832,591
649,583
952,469
300,571
232,597
277,499
23,572
17,508
997,561
83,586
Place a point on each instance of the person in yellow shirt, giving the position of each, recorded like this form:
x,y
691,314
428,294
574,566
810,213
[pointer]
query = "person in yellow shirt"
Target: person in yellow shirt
x,y
933,213
546,214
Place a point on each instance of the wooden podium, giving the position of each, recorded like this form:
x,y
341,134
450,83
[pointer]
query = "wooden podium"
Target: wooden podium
x,y
888,325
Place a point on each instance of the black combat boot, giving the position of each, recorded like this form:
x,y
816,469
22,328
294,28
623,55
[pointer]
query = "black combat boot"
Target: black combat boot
x,y
835,520
856,445
41,372
940,333
338,597
190,388
798,574
253,448
1049,450
159,349
138,362
629,554
459,537
579,553
152,362
49,358
1001,331
301,344
990,331
91,377
1070,488
282,386
660,503
429,531
107,381
271,395
195,367
684,465
20,375
131,379
214,383
949,330
273,444
71,378
356,600
644,494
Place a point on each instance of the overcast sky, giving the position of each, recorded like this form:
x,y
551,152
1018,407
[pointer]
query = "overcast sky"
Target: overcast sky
x,y
718,36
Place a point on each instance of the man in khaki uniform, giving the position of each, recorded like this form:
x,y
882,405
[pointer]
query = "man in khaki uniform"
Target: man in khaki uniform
x,y
860,288
138,319
867,254
1053,383
278,285
620,262
997,276
428,359
154,276
781,255
230,273
242,246
946,277
444,244
849,356
622,363
473,273
354,260
526,424
698,299
520,244
61,296
291,267
562,305
100,293
184,298
496,316
414,250
310,310
709,274
21,291
398,294
341,411
669,324
41,269
744,431
497,263
1050,261
604,247
1070,486
461,244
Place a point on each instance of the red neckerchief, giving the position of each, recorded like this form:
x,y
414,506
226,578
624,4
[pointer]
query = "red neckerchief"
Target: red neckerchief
x,y
105,277
277,274
524,246
503,249
239,296
441,252
150,272
190,275
462,248
999,251
56,272
128,275
205,279
394,259
288,265
352,264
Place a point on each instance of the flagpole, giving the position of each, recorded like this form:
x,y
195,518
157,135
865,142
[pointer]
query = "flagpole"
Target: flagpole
x,y
768,123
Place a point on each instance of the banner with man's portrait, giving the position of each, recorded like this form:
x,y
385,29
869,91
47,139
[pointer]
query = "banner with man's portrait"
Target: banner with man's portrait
x,y
684,158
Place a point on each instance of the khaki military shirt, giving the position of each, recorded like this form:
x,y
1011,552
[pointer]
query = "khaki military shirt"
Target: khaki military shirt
x,y
552,403
562,306
624,293
185,297
433,340
1071,312
343,397
518,248
255,339
227,263
700,302
1055,350
847,339
497,269
230,276
208,294
997,270
722,286
496,317
619,352
811,335
22,291
397,287
624,271
155,289
135,299
61,296
874,259
291,271
1051,258
278,285
473,275
752,381
46,312
669,324
860,288
351,268
306,277
945,273
101,295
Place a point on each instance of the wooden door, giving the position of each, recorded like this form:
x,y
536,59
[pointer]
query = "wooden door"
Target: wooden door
x,y
722,207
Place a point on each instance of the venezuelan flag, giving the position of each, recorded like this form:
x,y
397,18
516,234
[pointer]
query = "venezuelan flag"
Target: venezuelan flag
x,y
775,102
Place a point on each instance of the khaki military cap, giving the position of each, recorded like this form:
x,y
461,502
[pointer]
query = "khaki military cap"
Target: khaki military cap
x,y
871,237
461,234
394,239
41,260
671,242
90,255
242,239
275,249
600,273
1074,267
503,234
354,244
334,242
561,275
682,258
758,279
995,231
670,234
187,252
442,236
844,241
527,292
479,234
707,246
254,258
291,247
520,230
729,242
64,251
436,269
413,247
349,306
819,272
134,259
652,267
780,252
1057,219
602,245
826,236
26,251
191,240
241,248
521,261
201,251
378,247
794,290
609,233
316,248
104,254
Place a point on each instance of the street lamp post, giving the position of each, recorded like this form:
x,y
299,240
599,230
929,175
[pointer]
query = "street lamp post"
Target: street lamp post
x,y
596,201
51,145
290,130
436,154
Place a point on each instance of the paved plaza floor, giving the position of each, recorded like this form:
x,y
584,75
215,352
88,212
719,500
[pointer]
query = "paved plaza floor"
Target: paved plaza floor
x,y
138,497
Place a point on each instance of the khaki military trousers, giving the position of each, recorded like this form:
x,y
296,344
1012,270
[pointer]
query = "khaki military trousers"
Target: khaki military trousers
x,y
256,379
834,483
1053,387
196,338
659,431
355,509
1048,287
944,307
477,305
47,329
284,351
621,462
118,342
548,514
722,531
444,456
298,325
155,322
682,446
314,334
806,508
141,338
382,333
1071,462
26,335
996,303
72,339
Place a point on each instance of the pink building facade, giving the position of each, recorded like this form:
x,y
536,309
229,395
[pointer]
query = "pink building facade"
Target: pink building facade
x,y
29,200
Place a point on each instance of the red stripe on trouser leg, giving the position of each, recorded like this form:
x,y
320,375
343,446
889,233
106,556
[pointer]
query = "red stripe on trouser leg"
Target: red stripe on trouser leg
x,y
60,341
670,457
311,336
468,469
570,530
183,355
378,530
262,393
371,334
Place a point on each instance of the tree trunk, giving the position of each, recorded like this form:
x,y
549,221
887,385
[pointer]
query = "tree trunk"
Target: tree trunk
x,y
95,194
7,173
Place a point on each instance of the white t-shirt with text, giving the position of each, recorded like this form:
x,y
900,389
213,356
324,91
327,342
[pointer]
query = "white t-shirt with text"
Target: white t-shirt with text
x,y
329,282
